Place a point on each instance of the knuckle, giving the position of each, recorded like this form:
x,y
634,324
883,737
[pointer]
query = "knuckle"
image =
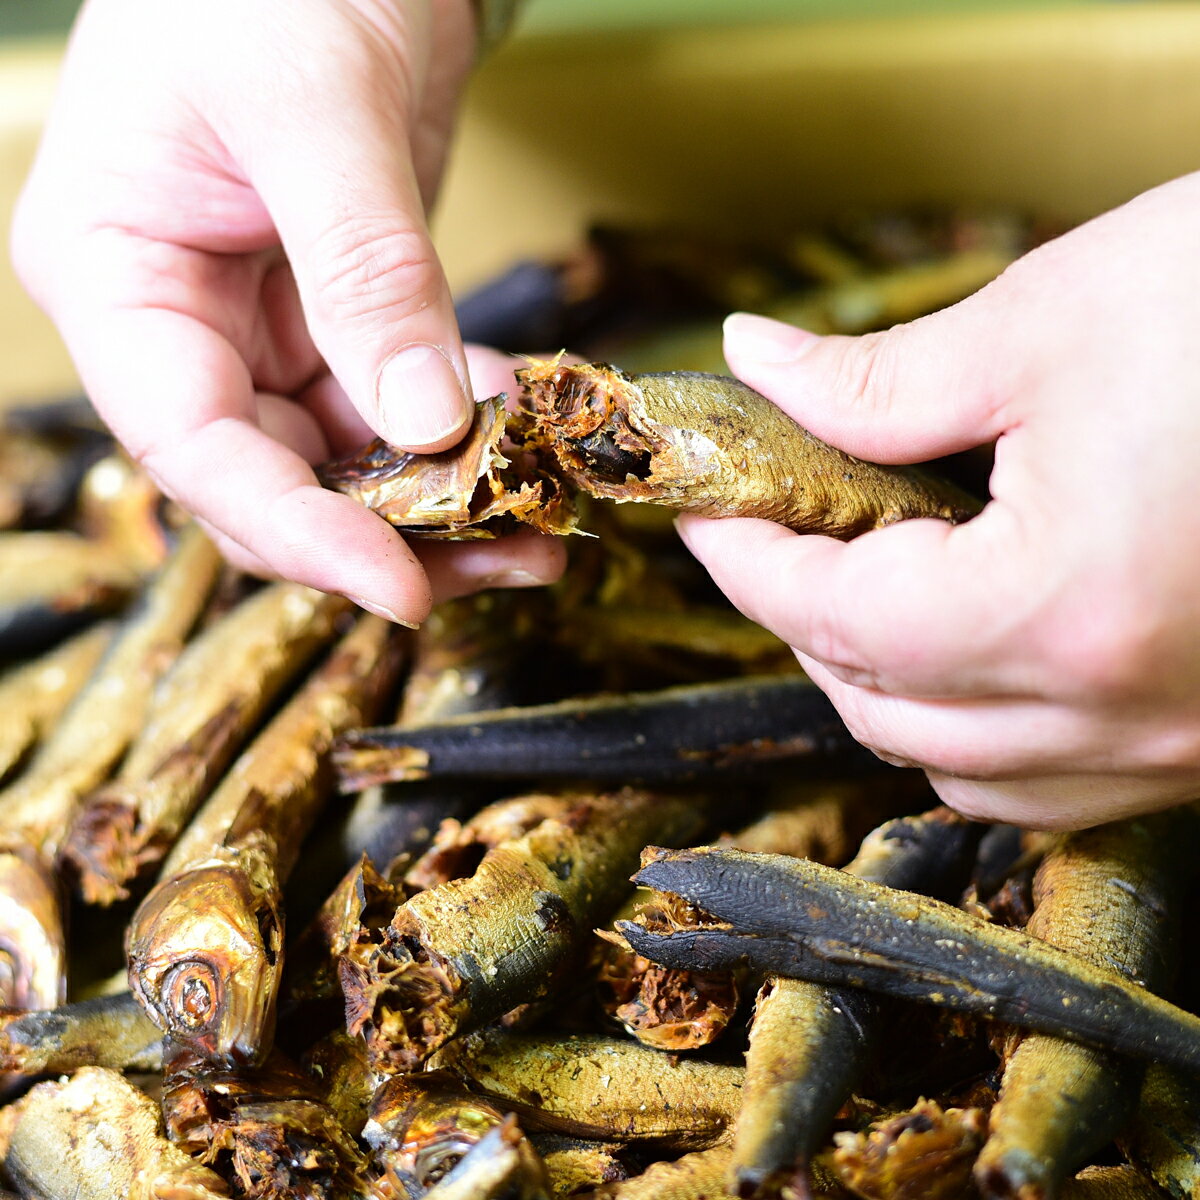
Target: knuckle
x,y
367,269
867,369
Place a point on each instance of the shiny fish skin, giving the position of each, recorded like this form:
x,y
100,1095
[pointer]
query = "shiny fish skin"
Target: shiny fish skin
x,y
96,1137
1104,894
205,946
711,445
202,714
465,952
808,921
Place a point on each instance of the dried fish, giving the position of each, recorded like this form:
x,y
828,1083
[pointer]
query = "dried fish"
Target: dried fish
x,y
711,445
1107,894
109,1031
696,1176
461,954
205,946
576,1165
54,582
700,732
96,1137
268,1132
804,920
471,491
596,1087
1164,1136
204,711
422,1127
1110,1183
924,1154
809,1043
40,470
37,808
33,696
493,1169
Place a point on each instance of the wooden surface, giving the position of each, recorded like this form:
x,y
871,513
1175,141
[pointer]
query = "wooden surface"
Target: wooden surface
x,y
1064,112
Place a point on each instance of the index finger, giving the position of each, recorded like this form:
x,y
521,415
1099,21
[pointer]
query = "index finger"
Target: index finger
x,y
180,398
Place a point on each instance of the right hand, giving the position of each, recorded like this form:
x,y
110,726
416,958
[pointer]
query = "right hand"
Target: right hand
x,y
226,220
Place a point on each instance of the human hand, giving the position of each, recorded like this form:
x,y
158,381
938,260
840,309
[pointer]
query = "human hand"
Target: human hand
x,y
1041,662
226,222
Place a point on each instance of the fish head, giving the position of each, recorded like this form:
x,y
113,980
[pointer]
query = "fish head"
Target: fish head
x,y
205,960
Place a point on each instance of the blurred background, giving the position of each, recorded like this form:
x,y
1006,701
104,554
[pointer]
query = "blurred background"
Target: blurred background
x,y
734,115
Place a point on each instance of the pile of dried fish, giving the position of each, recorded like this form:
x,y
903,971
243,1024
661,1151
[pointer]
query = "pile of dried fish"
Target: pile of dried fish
x,y
298,904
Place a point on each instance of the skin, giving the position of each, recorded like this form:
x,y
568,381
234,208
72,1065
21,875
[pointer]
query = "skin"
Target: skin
x,y
1040,662
226,220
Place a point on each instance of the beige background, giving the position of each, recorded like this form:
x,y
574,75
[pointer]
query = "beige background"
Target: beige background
x,y
1066,112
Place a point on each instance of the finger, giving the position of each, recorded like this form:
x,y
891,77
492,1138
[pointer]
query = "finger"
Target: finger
x,y
179,397
916,609
933,387
336,174
981,739
235,553
518,561
1063,801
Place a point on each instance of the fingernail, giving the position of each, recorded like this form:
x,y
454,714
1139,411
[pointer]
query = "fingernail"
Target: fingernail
x,y
513,577
420,398
381,611
764,339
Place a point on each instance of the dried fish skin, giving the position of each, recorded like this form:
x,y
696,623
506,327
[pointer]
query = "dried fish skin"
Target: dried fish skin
x,y
467,951
470,491
38,806
735,728
268,1131
1164,1136
924,1154
711,445
800,919
422,1127
51,583
602,1088
35,694
204,710
1110,1183
809,1044
96,1137
575,1166
205,956
1107,894
109,1031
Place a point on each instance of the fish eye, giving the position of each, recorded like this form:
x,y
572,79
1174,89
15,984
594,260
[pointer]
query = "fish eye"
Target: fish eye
x,y
191,994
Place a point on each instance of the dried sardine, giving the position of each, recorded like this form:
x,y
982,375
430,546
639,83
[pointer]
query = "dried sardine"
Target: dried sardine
x,y
206,708
1163,1137
463,953
38,807
268,1132
809,1043
734,728
96,1137
110,1031
804,920
493,1169
1107,894
33,696
422,1127
577,1165
205,946
711,445
597,1087
471,491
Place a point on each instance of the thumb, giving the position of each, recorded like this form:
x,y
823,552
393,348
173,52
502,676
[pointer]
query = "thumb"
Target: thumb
x,y
340,186
917,391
